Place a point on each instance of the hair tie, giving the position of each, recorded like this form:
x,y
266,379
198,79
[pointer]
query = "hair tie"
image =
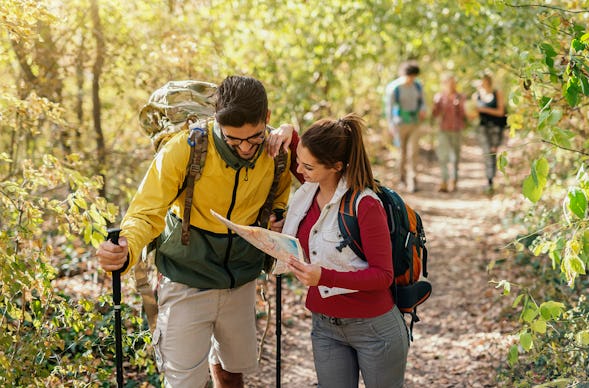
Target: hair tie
x,y
345,125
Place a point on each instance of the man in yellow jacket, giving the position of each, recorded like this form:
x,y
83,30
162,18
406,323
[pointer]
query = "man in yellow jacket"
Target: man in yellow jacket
x,y
206,291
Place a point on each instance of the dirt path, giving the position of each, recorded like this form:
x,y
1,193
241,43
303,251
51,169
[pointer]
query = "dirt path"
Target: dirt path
x,y
460,341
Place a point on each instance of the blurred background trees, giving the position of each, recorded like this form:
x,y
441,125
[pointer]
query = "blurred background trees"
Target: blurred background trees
x,y
76,73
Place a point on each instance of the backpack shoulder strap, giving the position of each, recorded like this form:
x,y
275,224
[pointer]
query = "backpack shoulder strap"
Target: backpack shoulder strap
x,y
397,94
421,241
279,167
198,141
395,206
347,220
420,92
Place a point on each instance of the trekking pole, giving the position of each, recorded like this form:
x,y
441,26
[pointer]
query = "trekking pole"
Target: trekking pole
x,y
278,326
279,213
113,235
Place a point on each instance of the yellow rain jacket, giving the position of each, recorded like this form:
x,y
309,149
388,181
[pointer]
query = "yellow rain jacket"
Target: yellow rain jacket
x,y
229,185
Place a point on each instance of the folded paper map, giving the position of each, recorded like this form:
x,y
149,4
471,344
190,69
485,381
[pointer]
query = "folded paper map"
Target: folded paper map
x,y
278,245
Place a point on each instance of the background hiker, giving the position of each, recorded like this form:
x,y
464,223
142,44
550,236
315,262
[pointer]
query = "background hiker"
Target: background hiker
x,y
356,326
449,108
405,109
492,122
206,292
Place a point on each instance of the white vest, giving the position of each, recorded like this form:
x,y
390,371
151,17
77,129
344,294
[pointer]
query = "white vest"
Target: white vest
x,y
325,235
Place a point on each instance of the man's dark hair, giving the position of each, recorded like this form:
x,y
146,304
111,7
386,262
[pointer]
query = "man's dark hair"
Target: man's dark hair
x,y
411,70
241,100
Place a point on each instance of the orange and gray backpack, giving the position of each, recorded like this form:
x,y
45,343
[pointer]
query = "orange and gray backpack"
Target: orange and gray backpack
x,y
409,253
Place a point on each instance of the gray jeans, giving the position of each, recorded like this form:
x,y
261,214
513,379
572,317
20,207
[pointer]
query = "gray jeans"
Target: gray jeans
x,y
491,138
449,152
376,347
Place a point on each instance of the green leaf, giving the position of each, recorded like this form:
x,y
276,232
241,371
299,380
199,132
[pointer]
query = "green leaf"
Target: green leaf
x,y
96,217
525,339
533,184
571,92
562,137
547,49
513,355
582,338
585,246
575,264
585,85
517,300
542,168
555,116
577,202
531,190
544,102
530,312
577,45
549,54
539,326
502,161
541,247
80,202
543,118
555,256
96,239
87,233
551,310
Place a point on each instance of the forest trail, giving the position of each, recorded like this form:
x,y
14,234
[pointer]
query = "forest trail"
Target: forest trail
x,y
461,339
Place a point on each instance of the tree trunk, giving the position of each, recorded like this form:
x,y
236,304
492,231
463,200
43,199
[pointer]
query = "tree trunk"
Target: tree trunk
x,y
80,95
96,105
45,80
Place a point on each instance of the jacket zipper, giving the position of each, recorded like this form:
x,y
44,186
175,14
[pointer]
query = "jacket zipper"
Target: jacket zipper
x,y
230,237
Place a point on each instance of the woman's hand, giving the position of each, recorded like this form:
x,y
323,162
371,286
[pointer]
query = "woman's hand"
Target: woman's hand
x,y
278,137
276,225
308,274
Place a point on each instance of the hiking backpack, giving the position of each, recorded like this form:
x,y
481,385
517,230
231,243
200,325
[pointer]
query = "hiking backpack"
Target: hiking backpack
x,y
186,105
419,88
409,252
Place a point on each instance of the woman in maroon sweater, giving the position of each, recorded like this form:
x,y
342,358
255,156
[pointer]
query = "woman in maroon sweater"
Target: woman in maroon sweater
x,y
356,326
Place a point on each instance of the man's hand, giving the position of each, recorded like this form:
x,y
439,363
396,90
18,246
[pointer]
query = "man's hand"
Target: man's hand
x,y
308,274
278,137
112,257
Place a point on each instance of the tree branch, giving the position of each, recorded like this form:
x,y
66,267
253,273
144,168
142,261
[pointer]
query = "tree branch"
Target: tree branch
x,y
565,148
546,6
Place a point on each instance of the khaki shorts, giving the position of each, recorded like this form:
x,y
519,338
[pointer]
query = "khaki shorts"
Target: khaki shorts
x,y
191,320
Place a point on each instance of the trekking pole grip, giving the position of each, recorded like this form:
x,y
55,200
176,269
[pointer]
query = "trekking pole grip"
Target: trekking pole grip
x,y
113,236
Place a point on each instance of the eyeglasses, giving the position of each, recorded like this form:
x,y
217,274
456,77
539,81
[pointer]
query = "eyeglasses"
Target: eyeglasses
x,y
255,139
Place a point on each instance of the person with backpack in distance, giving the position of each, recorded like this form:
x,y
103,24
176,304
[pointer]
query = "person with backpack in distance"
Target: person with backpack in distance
x,y
404,110
206,290
449,108
492,121
356,326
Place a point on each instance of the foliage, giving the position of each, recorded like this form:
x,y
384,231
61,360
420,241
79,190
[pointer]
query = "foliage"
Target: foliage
x,y
551,99
316,59
47,207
